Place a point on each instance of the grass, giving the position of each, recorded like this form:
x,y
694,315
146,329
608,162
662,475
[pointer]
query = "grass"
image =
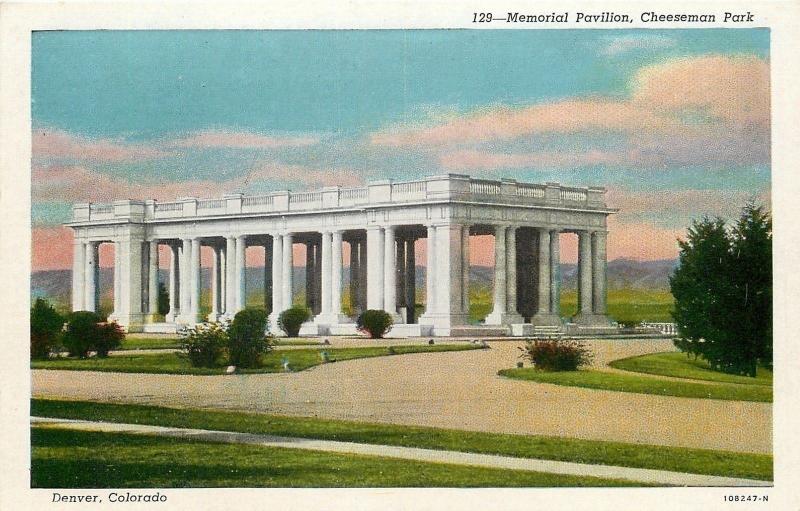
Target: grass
x,y
679,365
644,384
78,459
174,363
133,342
679,459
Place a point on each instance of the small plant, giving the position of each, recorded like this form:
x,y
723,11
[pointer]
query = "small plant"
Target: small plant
x,y
204,344
109,336
375,323
46,326
292,319
556,355
81,333
247,338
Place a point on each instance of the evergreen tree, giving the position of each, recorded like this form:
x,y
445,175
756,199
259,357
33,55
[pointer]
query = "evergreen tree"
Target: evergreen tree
x,y
163,299
723,294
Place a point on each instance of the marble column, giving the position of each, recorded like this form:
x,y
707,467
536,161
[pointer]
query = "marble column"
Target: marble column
x,y
311,299
129,311
194,314
511,274
241,273
336,274
90,274
555,274
174,299
78,274
430,272
375,261
363,260
215,283
277,281
185,280
599,272
497,316
268,276
584,275
354,276
465,264
286,269
544,316
230,277
390,273
447,274
223,281
325,270
152,282
410,284
117,280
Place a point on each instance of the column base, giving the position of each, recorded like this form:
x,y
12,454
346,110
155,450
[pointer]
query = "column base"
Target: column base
x,y
213,317
129,322
445,321
272,324
546,320
189,319
503,318
331,319
152,318
591,319
172,317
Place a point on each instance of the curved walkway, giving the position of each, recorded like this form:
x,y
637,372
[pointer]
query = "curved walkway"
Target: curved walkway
x,y
459,390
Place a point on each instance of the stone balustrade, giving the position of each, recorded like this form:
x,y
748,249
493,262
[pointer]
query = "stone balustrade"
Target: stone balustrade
x,y
449,188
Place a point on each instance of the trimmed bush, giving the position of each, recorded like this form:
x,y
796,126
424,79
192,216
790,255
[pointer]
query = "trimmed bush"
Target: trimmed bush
x,y
205,344
374,323
46,326
109,337
81,333
290,320
247,338
556,355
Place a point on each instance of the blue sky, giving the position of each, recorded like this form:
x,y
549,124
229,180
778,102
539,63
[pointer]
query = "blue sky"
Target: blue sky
x,y
140,112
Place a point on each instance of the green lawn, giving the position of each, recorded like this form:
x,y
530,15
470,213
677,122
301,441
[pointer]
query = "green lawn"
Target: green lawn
x,y
134,342
699,461
644,384
679,365
174,363
78,459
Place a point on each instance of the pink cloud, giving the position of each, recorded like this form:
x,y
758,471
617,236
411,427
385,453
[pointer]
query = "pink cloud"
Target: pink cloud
x,y
641,241
712,202
52,143
239,140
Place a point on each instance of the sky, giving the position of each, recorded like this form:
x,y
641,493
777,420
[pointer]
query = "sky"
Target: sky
x,y
674,123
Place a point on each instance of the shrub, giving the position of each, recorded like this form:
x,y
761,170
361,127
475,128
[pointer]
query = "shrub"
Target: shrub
x,y
109,336
290,320
556,355
247,338
81,333
375,323
46,326
205,344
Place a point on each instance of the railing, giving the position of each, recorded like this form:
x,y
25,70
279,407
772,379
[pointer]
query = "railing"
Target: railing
x,y
259,200
533,191
437,188
168,206
572,195
484,187
211,204
664,328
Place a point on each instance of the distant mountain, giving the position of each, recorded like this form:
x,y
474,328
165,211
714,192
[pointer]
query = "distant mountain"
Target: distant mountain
x,y
56,285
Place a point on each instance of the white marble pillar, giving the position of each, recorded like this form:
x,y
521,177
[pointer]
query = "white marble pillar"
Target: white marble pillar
x,y
223,280
268,276
311,273
599,272
78,274
555,274
277,281
241,273
375,261
174,299
430,272
194,280
354,277
500,295
336,274
286,269
325,270
584,273
544,316
215,283
465,264
90,273
117,280
185,280
511,273
129,312
230,277
446,271
410,284
362,273
152,282
390,273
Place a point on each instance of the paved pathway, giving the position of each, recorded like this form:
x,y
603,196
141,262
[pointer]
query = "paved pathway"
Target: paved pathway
x,y
639,475
458,390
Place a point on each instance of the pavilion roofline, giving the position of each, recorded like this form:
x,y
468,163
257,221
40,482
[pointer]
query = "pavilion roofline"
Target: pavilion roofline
x,y
447,188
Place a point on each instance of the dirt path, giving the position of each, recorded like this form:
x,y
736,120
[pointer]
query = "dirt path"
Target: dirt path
x,y
454,390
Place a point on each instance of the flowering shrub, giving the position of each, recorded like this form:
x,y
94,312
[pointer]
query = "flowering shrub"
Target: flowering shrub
x,y
556,355
205,344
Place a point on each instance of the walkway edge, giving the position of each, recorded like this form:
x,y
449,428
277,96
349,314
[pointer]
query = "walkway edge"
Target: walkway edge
x,y
640,475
